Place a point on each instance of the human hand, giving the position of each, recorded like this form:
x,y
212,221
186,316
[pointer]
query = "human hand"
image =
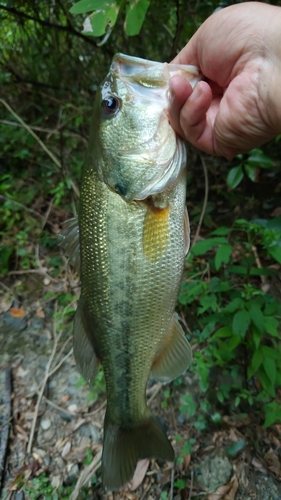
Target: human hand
x,y
238,107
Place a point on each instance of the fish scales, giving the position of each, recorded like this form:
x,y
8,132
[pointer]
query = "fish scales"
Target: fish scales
x,y
134,234
128,292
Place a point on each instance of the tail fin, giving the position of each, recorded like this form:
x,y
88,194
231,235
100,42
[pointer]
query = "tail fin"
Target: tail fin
x,y
122,448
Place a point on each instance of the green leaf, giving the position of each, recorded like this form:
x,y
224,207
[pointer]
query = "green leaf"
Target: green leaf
x,y
87,6
270,369
235,176
223,332
221,231
255,363
209,301
271,325
103,19
270,419
256,315
258,159
204,246
240,323
235,304
275,252
222,255
233,342
257,336
135,15
269,352
252,172
235,448
265,382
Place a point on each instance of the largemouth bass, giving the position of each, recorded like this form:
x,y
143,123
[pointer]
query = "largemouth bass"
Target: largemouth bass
x,y
133,237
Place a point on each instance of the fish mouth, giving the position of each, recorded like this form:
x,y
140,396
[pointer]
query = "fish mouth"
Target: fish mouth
x,y
152,74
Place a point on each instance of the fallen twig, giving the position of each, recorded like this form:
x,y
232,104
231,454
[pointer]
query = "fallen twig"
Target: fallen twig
x,y
43,385
205,202
6,427
86,475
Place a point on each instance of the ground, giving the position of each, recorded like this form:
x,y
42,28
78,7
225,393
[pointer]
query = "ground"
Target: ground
x,y
55,428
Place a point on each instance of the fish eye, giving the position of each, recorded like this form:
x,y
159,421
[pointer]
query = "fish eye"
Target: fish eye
x,y
110,105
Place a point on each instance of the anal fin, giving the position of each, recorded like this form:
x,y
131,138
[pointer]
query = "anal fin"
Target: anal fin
x,y
174,356
85,357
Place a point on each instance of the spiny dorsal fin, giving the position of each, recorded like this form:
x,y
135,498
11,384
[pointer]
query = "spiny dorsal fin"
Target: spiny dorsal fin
x,y
175,354
70,241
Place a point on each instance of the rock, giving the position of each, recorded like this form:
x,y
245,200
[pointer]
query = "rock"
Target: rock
x,y
46,424
72,475
91,431
73,378
213,471
49,434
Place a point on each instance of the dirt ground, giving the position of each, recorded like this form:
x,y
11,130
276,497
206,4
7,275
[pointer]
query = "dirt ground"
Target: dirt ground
x,y
56,430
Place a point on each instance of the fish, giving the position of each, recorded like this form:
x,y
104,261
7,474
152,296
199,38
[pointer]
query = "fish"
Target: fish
x,y
129,245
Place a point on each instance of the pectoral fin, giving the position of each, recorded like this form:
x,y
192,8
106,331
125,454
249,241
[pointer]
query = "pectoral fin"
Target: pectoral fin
x,y
85,357
70,241
175,355
156,232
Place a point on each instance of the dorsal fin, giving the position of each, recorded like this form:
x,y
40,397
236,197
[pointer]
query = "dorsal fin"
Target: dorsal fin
x,y
70,241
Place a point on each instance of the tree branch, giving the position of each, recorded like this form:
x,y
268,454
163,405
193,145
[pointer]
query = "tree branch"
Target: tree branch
x,y
67,29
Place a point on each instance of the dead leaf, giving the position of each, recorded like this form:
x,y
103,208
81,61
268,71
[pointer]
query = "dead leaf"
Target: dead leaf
x,y
220,492
40,313
258,465
66,449
231,494
273,462
17,312
186,461
139,474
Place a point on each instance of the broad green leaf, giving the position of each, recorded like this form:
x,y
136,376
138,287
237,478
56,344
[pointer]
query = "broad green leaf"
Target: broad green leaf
x,y
265,382
222,255
223,332
243,270
270,419
270,369
271,326
221,231
256,336
209,301
235,304
135,15
255,363
258,159
103,19
275,252
235,448
256,315
233,342
274,223
252,172
87,6
269,352
204,246
240,323
235,176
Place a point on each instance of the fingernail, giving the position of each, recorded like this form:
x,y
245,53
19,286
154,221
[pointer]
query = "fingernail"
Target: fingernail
x,y
196,92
